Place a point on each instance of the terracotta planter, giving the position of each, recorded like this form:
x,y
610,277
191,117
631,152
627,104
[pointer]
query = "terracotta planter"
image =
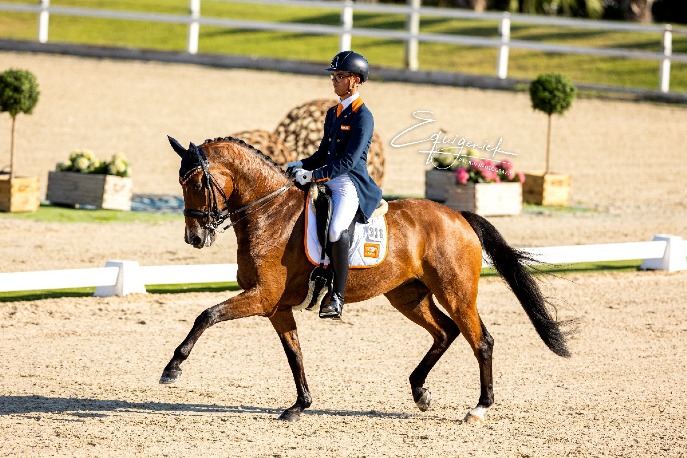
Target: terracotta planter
x,y
486,199
90,190
19,194
551,189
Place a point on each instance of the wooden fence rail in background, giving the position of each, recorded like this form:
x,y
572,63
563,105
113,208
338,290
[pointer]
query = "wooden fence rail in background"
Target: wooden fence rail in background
x,y
411,36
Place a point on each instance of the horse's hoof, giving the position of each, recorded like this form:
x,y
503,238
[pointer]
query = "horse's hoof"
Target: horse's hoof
x,y
170,376
476,416
425,399
290,416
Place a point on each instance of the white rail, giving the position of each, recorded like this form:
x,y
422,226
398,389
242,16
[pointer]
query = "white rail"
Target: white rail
x,y
58,279
119,278
411,35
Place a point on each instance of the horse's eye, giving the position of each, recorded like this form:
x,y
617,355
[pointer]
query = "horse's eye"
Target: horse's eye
x,y
198,186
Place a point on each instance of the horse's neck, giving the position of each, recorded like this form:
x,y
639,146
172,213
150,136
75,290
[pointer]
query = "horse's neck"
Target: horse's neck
x,y
270,227
253,178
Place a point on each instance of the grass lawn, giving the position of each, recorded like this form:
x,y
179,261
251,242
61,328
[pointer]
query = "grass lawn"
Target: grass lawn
x,y
55,214
317,48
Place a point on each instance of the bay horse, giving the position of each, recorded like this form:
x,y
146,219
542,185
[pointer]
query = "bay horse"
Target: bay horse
x,y
434,254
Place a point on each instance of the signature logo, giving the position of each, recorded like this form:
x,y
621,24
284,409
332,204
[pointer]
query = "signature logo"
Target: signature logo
x,y
442,144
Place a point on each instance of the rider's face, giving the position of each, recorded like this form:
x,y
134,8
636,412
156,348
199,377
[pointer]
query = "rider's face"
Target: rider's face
x,y
345,84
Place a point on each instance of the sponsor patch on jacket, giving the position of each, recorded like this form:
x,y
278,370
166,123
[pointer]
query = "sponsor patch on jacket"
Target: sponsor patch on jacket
x,y
345,127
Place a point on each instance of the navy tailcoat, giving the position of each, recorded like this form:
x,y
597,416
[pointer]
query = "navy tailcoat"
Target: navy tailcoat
x,y
343,149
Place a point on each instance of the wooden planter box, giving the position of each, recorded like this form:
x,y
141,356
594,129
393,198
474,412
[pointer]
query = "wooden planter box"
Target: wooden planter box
x,y
486,199
90,190
550,189
438,183
19,194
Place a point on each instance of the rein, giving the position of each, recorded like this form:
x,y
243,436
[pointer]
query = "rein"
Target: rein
x,y
214,216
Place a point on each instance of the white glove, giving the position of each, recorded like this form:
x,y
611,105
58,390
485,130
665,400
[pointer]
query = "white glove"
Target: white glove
x,y
290,166
303,176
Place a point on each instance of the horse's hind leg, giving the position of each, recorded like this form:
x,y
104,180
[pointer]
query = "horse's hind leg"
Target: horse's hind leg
x,y
462,307
414,300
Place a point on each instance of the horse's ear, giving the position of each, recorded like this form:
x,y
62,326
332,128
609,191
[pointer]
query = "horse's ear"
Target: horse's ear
x,y
176,146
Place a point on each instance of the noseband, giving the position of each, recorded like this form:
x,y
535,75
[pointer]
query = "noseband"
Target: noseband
x,y
213,216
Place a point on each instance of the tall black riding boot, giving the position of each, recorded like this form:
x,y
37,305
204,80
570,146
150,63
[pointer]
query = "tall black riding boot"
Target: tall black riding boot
x,y
339,265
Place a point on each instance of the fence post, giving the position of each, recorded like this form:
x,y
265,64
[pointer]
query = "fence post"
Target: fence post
x,y
502,59
43,20
413,28
347,24
664,69
193,27
128,280
673,259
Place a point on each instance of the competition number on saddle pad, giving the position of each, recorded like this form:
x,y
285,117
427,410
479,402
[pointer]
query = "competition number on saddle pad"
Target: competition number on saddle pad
x,y
369,241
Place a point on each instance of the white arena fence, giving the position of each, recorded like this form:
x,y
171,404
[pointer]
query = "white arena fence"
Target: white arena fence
x,y
119,278
411,36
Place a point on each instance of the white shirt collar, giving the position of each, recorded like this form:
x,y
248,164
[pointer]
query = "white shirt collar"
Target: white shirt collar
x,y
348,101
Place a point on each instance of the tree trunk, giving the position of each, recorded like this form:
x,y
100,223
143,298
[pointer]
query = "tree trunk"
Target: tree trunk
x,y
548,146
637,10
476,5
14,119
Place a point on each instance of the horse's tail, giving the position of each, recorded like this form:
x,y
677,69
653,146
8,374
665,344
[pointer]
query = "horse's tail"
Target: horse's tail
x,y
510,264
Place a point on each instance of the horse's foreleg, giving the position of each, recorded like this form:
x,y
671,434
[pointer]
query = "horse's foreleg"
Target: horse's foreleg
x,y
415,302
285,325
244,305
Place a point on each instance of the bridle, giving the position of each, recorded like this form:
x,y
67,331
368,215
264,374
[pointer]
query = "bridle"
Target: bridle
x,y
213,216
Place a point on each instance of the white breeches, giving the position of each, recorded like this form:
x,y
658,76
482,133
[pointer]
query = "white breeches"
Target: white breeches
x,y
345,203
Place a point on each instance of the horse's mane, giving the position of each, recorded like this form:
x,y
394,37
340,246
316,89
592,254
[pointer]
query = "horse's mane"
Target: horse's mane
x,y
251,148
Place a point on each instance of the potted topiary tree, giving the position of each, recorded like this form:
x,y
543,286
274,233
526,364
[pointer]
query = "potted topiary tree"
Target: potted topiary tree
x,y
553,94
18,94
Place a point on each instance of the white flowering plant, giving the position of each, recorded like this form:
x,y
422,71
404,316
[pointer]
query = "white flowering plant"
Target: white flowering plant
x,y
84,161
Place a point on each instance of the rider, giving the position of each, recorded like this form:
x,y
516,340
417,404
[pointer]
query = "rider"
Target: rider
x,y
341,164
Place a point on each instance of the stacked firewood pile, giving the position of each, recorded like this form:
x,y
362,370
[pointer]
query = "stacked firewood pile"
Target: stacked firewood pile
x,y
269,143
299,136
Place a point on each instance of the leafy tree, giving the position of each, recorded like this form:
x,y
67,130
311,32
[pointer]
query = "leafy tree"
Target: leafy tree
x,y
553,94
18,94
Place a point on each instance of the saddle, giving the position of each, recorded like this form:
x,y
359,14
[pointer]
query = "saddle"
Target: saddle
x,y
321,196
368,243
321,278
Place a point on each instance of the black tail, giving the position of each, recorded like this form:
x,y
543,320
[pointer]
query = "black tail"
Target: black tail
x,y
510,264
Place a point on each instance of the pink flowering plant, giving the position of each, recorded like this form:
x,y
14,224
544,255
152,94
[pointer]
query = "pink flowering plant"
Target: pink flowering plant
x,y
472,169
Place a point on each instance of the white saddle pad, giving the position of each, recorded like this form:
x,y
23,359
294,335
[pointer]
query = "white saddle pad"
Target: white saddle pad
x,y
369,242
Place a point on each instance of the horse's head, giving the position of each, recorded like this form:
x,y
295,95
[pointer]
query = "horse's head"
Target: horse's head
x,y
206,191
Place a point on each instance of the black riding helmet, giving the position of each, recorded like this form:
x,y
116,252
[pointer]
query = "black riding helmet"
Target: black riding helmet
x,y
349,61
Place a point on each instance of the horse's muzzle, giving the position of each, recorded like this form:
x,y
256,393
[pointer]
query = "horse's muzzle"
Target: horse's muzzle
x,y
199,238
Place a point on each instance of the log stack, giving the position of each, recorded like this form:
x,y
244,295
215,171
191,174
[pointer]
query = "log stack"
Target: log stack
x,y
269,143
